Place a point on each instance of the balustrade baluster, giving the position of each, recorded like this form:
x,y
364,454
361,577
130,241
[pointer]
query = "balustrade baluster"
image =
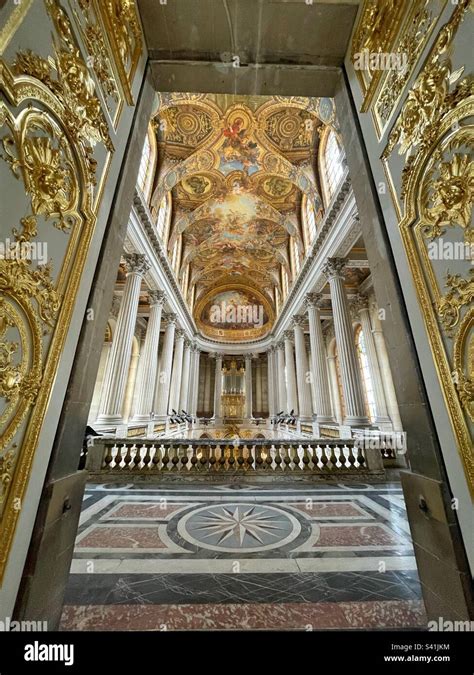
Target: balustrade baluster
x,y
109,456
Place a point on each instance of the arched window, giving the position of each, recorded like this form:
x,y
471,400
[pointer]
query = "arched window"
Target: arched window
x,y
147,165
176,255
332,168
366,376
163,220
309,221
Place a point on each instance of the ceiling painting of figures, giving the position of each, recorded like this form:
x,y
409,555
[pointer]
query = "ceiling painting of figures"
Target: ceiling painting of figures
x,y
237,168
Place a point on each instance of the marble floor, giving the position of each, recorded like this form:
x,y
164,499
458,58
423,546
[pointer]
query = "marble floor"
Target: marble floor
x,y
230,557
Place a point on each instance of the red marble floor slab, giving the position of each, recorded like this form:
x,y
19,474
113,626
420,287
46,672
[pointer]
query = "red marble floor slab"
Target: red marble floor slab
x,y
145,511
327,509
356,535
122,537
283,616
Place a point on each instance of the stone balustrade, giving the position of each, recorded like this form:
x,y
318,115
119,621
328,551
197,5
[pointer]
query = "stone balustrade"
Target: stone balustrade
x,y
191,457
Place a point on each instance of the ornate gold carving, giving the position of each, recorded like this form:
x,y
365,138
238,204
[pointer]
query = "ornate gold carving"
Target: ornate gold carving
x,y
53,119
434,134
122,24
448,199
463,357
375,33
431,97
74,86
95,42
46,165
461,294
414,35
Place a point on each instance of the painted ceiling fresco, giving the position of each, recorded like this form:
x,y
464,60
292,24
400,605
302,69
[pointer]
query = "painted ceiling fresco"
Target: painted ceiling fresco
x,y
237,168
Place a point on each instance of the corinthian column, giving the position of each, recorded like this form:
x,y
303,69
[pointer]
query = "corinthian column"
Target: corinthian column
x,y
164,376
302,369
322,395
195,388
291,392
381,412
248,385
346,349
115,379
175,390
148,366
218,388
272,389
183,401
282,399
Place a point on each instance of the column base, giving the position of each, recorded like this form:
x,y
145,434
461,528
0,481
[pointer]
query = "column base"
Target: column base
x,y
384,423
325,419
357,422
141,418
109,420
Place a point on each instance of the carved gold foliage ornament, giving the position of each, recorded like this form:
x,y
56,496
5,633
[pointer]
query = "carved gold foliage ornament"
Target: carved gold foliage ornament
x,y
375,33
435,137
71,82
431,97
40,155
124,31
448,198
50,122
460,295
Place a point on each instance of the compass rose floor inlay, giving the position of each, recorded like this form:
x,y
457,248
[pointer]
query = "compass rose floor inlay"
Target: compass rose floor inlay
x,y
243,557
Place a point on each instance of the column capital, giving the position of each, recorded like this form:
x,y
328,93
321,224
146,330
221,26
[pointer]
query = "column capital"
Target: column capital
x,y
156,298
313,300
288,335
216,355
360,302
180,334
170,318
280,345
187,343
334,268
249,357
298,321
137,263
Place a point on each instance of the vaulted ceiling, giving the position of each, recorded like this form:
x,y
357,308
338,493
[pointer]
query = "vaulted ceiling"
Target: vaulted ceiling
x,y
237,168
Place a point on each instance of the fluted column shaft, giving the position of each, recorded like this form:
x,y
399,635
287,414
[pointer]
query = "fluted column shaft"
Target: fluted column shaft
x,y
177,371
291,390
218,388
387,379
322,394
346,349
116,375
272,390
148,367
248,386
302,370
195,388
381,412
164,376
183,401
282,399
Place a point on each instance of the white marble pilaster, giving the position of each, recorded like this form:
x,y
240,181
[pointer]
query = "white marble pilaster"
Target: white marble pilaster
x,y
185,377
319,365
164,376
148,366
302,370
116,375
291,390
350,371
